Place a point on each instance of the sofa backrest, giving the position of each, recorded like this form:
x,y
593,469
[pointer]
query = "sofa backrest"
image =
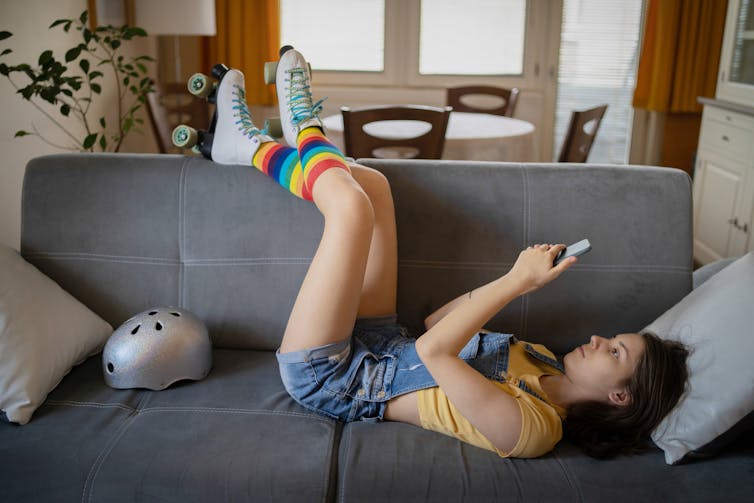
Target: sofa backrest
x,y
124,233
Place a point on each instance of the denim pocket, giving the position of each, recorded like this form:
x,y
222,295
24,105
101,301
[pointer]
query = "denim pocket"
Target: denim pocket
x,y
367,382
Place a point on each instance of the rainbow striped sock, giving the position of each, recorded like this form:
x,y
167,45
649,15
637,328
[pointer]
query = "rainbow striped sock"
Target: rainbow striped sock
x,y
282,164
318,155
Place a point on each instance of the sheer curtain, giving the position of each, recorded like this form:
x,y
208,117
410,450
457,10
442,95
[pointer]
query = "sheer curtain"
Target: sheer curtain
x,y
598,53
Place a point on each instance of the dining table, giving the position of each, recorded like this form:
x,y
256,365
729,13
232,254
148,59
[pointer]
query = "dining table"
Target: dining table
x,y
469,136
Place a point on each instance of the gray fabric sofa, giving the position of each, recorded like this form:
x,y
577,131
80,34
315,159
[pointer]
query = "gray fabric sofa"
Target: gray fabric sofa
x,y
124,233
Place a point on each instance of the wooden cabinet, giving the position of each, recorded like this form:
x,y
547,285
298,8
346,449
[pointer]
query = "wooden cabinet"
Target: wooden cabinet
x,y
724,171
724,184
735,77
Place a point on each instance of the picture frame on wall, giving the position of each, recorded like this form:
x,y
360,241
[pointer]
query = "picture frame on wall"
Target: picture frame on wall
x,y
110,12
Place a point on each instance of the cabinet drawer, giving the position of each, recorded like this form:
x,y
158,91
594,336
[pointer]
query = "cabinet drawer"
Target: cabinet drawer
x,y
728,117
727,138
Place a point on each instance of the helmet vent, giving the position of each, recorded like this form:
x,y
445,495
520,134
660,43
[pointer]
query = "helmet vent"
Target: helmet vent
x,y
177,315
152,313
133,332
158,326
110,367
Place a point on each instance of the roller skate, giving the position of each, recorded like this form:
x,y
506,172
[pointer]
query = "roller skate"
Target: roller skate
x,y
232,138
292,77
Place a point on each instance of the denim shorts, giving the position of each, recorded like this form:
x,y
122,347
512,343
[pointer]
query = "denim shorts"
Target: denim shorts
x,y
352,380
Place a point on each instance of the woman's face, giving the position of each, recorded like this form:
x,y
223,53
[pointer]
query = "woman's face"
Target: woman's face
x,y
601,368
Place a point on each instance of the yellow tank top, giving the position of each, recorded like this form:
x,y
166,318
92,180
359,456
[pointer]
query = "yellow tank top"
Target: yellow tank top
x,y
541,421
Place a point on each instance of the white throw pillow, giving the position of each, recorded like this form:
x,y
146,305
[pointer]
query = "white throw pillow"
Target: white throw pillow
x,y
44,332
716,322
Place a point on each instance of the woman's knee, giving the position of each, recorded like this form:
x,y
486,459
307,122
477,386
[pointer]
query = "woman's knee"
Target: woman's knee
x,y
347,201
374,183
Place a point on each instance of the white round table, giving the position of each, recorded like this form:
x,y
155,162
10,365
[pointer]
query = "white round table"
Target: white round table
x,y
470,136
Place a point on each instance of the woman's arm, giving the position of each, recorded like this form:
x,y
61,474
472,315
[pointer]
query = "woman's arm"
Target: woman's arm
x,y
440,313
480,401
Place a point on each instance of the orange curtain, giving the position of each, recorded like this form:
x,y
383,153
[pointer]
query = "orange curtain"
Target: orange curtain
x,y
248,35
680,54
679,60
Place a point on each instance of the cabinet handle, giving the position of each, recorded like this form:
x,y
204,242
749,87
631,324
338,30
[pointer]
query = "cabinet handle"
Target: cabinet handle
x,y
734,223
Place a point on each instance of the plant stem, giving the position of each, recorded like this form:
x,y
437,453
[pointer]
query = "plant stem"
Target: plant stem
x,y
37,133
52,119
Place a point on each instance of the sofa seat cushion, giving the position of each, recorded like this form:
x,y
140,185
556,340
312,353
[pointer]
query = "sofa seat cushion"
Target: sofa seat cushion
x,y
401,462
228,437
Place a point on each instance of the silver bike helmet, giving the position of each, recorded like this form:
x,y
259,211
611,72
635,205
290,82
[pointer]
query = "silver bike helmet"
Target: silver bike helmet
x,y
157,348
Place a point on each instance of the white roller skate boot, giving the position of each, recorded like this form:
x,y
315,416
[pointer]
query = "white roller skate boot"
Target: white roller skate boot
x,y
292,77
236,138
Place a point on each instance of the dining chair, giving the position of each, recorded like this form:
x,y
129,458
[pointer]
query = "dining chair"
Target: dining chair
x,y
427,145
455,99
168,106
581,133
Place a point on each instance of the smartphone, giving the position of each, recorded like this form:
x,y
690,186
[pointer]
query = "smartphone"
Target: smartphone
x,y
574,250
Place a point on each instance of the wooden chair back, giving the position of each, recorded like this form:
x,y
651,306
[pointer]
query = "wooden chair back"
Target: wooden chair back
x,y
581,133
429,145
455,97
168,106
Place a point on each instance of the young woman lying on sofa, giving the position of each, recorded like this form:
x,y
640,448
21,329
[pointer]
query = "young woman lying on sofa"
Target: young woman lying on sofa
x,y
344,356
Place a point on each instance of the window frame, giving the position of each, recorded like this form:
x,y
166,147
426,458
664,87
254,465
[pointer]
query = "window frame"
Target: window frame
x,y
402,45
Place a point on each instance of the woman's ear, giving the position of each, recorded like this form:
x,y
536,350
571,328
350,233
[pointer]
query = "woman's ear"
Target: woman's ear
x,y
621,397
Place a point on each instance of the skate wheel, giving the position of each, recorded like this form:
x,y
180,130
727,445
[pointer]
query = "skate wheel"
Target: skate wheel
x,y
200,85
219,71
274,127
195,149
185,136
270,69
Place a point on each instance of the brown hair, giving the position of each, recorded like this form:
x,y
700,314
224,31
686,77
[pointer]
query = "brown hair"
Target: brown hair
x,y
605,430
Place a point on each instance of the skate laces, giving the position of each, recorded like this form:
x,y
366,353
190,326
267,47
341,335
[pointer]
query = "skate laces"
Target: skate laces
x,y
242,114
300,97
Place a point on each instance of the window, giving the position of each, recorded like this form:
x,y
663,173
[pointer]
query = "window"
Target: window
x,y
414,42
598,53
485,38
345,35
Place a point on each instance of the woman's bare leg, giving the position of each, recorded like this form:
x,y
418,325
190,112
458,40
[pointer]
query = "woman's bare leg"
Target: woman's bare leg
x,y
378,293
328,301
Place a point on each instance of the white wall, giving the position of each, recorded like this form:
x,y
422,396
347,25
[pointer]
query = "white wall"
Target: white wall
x,y
28,21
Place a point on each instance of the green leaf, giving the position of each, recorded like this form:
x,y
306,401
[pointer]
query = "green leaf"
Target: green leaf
x,y
21,133
102,142
45,57
96,88
5,34
6,51
59,21
89,141
102,122
94,75
128,124
84,64
115,44
67,26
65,110
4,70
137,32
72,54
84,16
87,35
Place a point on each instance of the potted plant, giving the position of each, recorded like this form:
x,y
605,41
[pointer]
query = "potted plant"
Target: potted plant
x,y
64,91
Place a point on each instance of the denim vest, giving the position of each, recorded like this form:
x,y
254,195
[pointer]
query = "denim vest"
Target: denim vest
x,y
487,353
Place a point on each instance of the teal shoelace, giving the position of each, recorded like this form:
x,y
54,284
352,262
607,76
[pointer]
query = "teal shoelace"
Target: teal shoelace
x,y
300,97
242,114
